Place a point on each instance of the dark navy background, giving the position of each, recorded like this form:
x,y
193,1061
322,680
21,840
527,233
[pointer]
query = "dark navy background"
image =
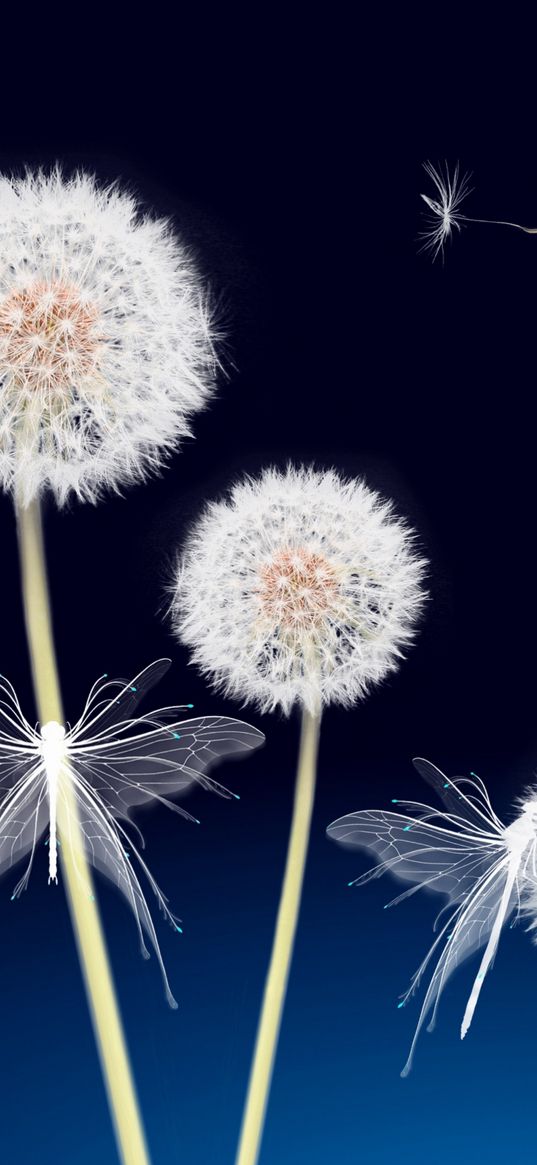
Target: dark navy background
x,y
290,157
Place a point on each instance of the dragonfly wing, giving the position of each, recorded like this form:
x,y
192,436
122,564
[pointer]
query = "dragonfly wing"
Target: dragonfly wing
x,y
24,816
113,701
465,798
465,864
448,860
161,762
467,931
113,854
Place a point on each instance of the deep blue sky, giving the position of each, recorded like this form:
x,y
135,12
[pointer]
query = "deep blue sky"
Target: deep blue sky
x,y
298,188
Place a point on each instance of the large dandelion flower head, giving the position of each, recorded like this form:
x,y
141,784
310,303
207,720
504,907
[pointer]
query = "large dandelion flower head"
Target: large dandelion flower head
x,y
106,345
300,587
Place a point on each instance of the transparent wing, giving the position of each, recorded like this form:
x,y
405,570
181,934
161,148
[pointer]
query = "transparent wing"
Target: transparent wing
x,y
111,702
466,931
445,852
160,761
425,852
24,816
118,760
19,742
24,812
465,798
113,853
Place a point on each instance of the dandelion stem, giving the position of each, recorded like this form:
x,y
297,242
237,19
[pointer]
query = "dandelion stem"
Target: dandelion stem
x,y
84,913
282,949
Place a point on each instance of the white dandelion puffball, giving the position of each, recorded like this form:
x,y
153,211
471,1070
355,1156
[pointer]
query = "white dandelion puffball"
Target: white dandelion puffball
x,y
301,587
106,345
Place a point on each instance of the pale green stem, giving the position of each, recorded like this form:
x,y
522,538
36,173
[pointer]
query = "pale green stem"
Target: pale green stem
x,y
282,949
84,913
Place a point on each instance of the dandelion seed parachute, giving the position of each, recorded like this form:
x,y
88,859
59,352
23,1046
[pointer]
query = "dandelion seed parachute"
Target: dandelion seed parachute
x,y
116,761
444,211
106,338
485,869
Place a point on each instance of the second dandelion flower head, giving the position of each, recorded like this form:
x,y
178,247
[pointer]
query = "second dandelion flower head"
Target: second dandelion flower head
x,y
301,587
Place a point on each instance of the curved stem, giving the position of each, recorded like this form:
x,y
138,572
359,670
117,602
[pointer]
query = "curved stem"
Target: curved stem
x,y
498,222
84,913
282,949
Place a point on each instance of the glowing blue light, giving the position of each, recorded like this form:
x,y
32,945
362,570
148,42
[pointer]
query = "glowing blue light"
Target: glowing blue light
x,y
176,735
133,689
190,705
406,829
179,929
401,1004
446,786
395,801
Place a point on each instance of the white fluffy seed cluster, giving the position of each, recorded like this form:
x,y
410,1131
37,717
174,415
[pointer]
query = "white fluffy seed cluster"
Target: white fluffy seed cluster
x,y
106,342
300,587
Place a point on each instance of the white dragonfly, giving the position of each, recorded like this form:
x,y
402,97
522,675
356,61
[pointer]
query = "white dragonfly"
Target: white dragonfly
x,y
487,871
115,761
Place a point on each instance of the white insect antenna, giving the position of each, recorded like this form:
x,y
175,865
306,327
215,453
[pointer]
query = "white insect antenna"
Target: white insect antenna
x,y
464,852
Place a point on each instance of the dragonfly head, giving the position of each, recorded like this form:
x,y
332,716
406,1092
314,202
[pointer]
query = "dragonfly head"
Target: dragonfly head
x,y
52,731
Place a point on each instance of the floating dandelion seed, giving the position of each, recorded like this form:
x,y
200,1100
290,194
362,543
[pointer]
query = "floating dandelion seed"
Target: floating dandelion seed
x,y
106,340
486,870
114,761
444,209
301,588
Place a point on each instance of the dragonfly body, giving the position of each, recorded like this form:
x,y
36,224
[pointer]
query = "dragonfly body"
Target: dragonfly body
x,y
53,751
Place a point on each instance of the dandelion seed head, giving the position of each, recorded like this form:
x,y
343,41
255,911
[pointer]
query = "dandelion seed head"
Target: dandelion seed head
x,y
49,340
451,190
107,346
299,587
296,588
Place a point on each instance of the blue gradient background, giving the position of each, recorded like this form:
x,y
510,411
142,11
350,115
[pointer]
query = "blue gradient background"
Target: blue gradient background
x,y
347,349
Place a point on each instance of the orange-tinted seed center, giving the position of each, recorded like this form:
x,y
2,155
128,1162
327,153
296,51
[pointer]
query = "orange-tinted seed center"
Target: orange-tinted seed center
x,y
48,337
297,587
